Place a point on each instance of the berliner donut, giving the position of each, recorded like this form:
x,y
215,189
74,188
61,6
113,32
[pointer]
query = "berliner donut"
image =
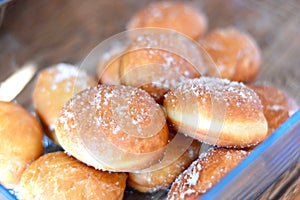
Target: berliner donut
x,y
278,106
235,53
158,61
54,87
58,176
173,15
109,75
109,66
217,111
150,181
205,172
116,128
20,144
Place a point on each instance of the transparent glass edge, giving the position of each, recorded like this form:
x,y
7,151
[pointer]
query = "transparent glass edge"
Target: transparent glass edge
x,y
5,194
220,189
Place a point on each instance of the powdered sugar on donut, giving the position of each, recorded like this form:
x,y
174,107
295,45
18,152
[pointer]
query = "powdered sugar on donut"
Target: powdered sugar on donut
x,y
205,172
233,96
133,108
71,75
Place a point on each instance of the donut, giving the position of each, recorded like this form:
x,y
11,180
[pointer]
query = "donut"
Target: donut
x,y
205,172
109,66
172,15
53,88
58,176
151,181
278,106
217,111
113,127
235,53
109,75
157,61
20,144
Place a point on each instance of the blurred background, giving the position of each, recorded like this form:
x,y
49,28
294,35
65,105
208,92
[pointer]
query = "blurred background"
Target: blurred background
x,y
65,31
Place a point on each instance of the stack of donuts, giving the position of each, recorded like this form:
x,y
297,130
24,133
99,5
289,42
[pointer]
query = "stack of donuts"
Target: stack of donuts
x,y
170,90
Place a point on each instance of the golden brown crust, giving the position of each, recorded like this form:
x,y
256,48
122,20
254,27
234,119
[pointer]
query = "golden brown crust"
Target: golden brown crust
x,y
158,61
58,176
54,87
162,178
115,128
205,172
108,69
217,111
278,106
110,75
20,144
172,15
236,54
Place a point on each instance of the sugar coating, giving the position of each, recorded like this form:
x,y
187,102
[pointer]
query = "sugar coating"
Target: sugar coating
x,y
115,50
157,62
171,45
114,110
54,87
114,113
276,107
221,109
88,126
220,89
69,116
71,75
233,96
205,172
